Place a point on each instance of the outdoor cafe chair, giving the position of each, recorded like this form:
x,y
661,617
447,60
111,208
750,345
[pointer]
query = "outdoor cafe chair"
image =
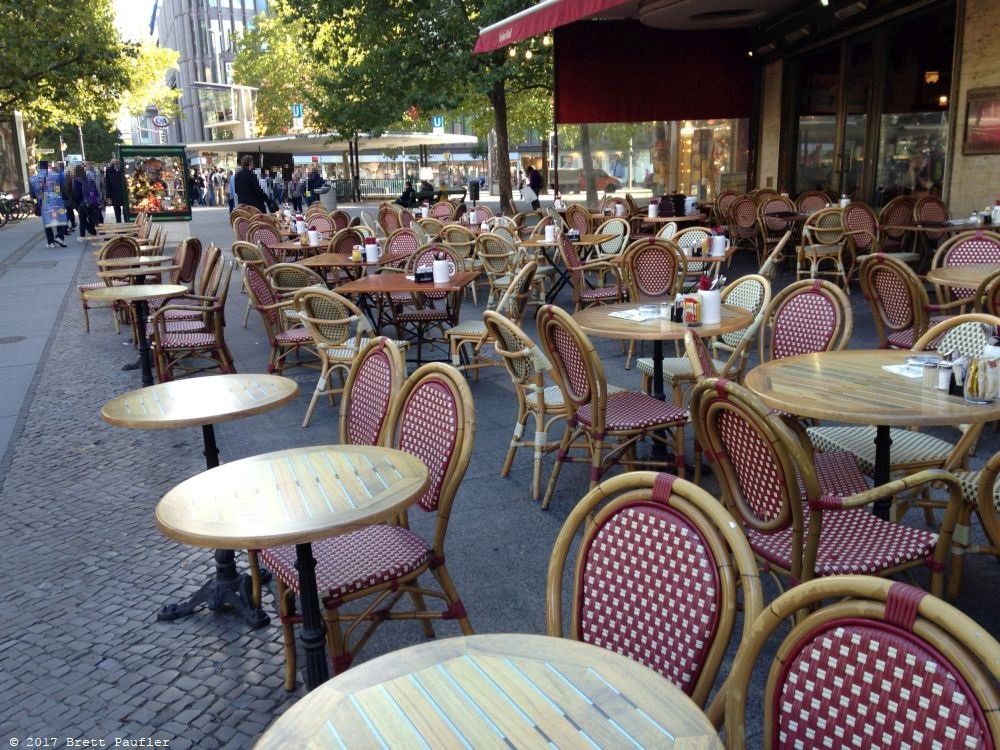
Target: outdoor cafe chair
x,y
527,366
811,201
432,227
610,424
205,292
287,278
898,213
247,253
368,220
961,250
341,219
322,223
265,235
806,316
467,338
731,351
388,219
823,243
659,573
283,339
930,210
743,229
462,240
116,247
578,218
806,514
373,382
898,300
179,351
769,268
422,312
858,661
772,227
443,211
666,231
981,491
652,270
432,418
500,260
585,295
241,225
720,209
619,230
338,329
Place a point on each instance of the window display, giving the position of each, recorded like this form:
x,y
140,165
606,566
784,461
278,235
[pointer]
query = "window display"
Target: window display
x,y
155,182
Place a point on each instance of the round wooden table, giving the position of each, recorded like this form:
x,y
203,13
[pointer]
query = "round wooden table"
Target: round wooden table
x,y
139,260
137,295
499,690
294,496
139,272
597,321
963,277
851,386
205,402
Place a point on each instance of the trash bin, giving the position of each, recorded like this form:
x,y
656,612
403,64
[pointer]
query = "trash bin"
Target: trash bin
x,y
328,196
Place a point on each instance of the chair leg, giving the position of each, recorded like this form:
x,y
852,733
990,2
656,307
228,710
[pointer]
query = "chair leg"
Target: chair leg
x,y
420,606
86,313
286,611
515,441
560,457
455,606
322,388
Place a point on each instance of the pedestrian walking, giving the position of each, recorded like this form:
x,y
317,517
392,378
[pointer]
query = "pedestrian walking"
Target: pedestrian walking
x,y
113,188
247,185
66,190
46,189
87,197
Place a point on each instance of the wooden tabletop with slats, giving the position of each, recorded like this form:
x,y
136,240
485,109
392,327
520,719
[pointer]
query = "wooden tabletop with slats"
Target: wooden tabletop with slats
x,y
495,691
135,292
198,401
851,386
139,260
388,283
967,277
292,496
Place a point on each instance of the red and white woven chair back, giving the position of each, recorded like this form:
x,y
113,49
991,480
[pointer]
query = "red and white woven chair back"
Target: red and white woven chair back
x,y
808,316
578,217
697,353
723,203
188,256
567,349
433,420
344,240
874,663
119,247
744,444
262,234
862,226
341,220
634,564
743,215
322,222
374,380
389,219
897,212
240,227
654,269
262,294
965,249
886,285
570,256
988,295
775,204
442,210
811,200
401,243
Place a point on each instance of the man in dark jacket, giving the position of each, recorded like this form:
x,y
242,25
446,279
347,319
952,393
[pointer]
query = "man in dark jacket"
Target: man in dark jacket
x,y
313,185
113,188
248,187
535,183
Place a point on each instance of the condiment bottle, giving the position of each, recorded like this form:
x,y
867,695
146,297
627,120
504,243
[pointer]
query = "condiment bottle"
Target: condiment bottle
x,y
944,376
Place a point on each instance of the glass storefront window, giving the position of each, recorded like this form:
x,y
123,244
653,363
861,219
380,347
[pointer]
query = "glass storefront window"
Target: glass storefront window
x,y
217,105
694,157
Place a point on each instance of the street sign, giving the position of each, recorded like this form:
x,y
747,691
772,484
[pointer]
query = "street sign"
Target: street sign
x,y
296,110
437,124
161,121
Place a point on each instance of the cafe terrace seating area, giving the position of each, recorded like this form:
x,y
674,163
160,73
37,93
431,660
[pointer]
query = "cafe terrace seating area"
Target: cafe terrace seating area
x,y
479,444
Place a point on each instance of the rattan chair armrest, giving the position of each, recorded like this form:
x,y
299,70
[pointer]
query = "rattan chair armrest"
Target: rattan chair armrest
x,y
908,482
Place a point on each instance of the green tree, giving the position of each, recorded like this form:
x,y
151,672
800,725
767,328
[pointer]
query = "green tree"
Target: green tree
x,y
391,57
62,60
100,138
148,81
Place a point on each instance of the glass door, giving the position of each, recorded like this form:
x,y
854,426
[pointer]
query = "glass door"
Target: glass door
x,y
833,97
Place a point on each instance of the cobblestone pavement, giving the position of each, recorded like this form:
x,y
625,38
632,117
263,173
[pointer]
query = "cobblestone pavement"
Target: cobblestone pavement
x,y
83,655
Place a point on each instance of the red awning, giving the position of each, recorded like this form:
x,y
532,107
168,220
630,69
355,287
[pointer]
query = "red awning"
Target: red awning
x,y
543,17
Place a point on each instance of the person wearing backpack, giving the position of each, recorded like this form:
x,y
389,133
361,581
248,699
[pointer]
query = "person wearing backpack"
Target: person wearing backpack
x,y
87,196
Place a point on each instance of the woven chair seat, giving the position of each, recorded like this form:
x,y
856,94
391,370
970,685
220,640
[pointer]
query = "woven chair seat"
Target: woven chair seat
x,y
908,447
853,541
600,293
181,340
633,410
423,315
673,366
100,285
838,474
353,562
293,336
178,315
823,251
467,328
195,325
554,398
970,486
905,339
349,352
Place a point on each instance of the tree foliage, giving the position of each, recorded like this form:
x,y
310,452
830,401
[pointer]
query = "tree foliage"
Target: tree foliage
x,y
62,60
389,60
148,81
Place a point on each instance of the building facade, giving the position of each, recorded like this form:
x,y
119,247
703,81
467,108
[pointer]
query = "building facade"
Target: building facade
x,y
212,108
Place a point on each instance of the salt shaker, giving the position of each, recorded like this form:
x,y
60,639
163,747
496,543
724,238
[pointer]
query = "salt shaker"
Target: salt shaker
x,y
930,375
944,376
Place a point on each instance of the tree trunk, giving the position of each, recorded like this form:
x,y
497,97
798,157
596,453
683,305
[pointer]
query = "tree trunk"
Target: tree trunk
x,y
498,98
588,165
661,158
546,181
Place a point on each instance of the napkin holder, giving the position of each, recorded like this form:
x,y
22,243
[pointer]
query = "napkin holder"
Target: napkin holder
x,y
423,275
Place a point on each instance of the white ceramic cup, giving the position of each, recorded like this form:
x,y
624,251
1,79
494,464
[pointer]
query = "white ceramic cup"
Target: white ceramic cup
x,y
313,237
711,306
720,244
373,251
550,233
